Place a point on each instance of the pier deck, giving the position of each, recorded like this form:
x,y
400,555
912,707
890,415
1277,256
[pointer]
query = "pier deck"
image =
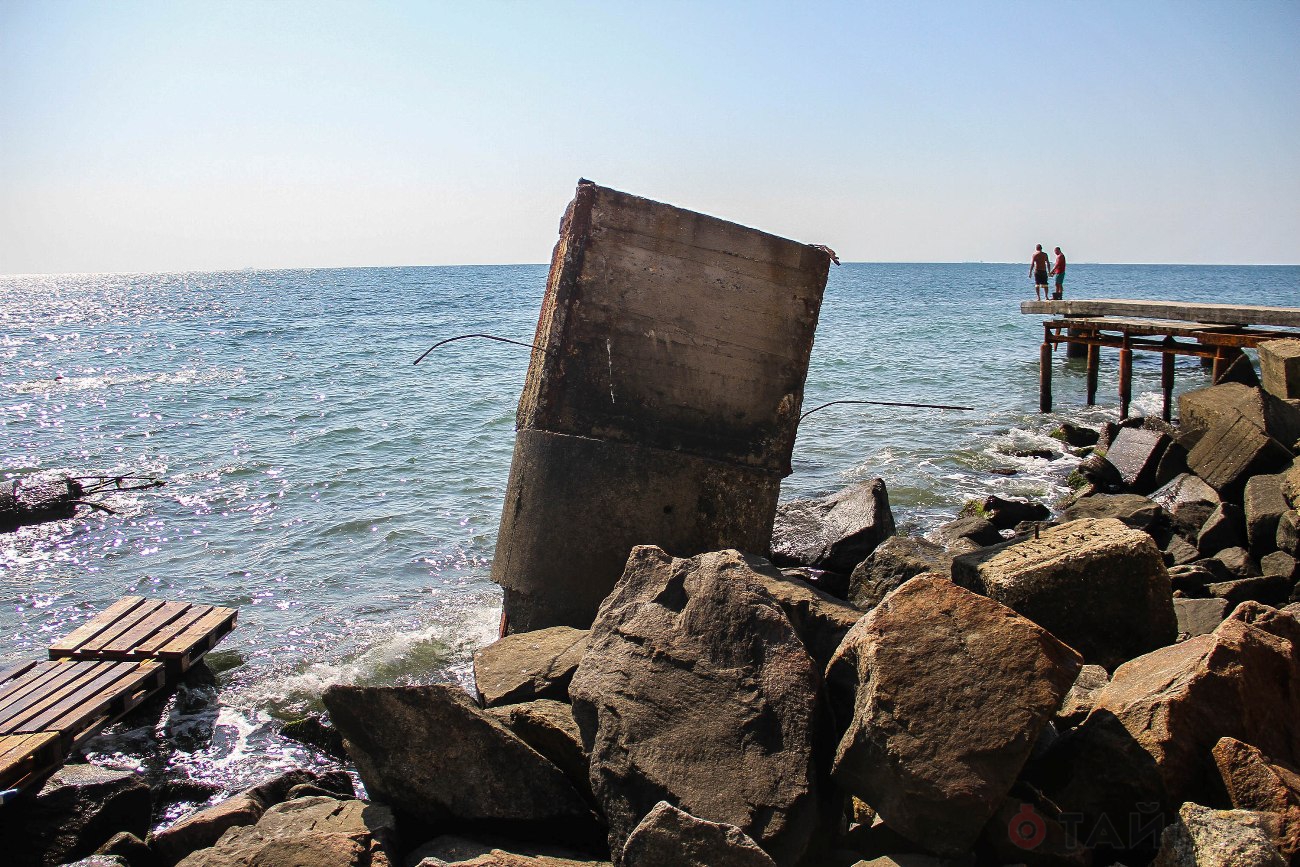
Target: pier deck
x,y
1214,332
96,674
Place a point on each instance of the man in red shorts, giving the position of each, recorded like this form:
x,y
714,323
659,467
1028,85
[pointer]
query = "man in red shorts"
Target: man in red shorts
x,y
1059,270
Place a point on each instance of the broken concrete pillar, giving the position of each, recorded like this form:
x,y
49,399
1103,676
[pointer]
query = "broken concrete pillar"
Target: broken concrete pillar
x,y
1279,361
662,403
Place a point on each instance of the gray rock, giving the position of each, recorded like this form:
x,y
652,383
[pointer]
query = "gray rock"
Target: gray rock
x,y
1082,696
77,810
1263,504
1199,616
1096,584
964,535
836,532
1288,533
1188,500
1076,436
549,728
1281,564
321,832
1279,362
1270,590
449,850
1217,838
1234,450
897,559
1005,514
1201,409
1240,370
669,836
1100,474
1193,578
432,754
1225,528
529,665
819,619
1136,454
697,689
952,690
1138,512
1180,552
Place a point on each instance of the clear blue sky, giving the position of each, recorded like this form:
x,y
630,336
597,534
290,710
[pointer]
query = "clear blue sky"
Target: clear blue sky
x,y
203,135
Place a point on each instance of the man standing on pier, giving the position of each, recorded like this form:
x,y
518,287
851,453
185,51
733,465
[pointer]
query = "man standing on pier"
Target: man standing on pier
x,y
1059,270
1038,269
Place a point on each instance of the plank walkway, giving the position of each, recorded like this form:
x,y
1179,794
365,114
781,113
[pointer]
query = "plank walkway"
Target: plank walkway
x,y
1216,333
97,673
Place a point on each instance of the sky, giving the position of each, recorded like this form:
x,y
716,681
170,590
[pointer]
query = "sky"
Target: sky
x,y
169,136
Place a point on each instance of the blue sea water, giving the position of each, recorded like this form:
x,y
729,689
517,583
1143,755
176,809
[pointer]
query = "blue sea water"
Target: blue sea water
x,y
347,501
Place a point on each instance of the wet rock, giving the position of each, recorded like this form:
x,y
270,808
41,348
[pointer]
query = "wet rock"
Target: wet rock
x,y
1005,514
1136,454
1076,436
1096,584
1225,528
1240,370
36,498
1100,474
549,728
1279,564
529,665
1255,783
311,790
953,690
322,832
1199,616
1188,500
896,560
1279,362
101,861
315,731
1148,740
1217,838
1138,512
1263,504
74,813
1234,450
836,532
1270,590
130,848
698,689
435,757
1288,532
669,836
1041,454
966,534
1082,696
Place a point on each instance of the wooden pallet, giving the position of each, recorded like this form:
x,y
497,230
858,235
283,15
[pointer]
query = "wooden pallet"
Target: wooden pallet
x,y
135,628
48,708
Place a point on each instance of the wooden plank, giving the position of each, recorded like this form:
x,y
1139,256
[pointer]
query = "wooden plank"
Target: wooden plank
x,y
23,691
168,619
123,624
76,708
94,626
67,678
23,755
1216,314
15,670
199,631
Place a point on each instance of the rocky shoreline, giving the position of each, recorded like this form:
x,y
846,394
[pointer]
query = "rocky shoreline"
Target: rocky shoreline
x,y
1114,680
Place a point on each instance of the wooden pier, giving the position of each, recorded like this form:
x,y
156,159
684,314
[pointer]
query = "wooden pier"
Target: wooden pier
x,y
1215,332
95,675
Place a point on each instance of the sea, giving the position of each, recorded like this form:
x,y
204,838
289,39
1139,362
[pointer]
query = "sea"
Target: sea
x,y
346,500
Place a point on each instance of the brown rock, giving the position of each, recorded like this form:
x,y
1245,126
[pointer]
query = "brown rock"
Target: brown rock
x,y
550,729
1254,783
1217,838
1095,584
1082,696
204,828
451,851
964,535
897,559
1279,362
1288,532
697,688
1281,565
529,665
1135,511
820,620
1263,504
1188,500
1199,616
669,836
1225,528
952,690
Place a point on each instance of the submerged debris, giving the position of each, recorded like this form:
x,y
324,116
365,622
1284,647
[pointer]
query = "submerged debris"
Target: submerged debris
x,y
49,496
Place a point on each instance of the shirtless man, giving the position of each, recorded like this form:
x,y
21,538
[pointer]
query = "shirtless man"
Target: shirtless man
x,y
1038,270
1058,269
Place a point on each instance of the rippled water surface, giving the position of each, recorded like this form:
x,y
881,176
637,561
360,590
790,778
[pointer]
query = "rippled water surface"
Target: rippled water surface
x,y
347,501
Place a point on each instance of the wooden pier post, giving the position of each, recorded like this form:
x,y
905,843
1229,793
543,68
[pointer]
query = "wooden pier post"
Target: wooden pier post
x,y
1125,378
1094,364
1167,380
1045,376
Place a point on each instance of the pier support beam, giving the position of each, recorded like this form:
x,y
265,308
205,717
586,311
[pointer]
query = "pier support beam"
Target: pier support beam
x,y
1076,350
1094,364
1125,379
1167,380
1045,377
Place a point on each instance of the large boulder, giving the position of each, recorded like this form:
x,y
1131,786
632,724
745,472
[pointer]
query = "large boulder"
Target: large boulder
x,y
1232,451
1263,505
669,836
819,619
966,534
836,532
1098,585
698,690
1217,838
436,758
321,832
1148,741
1255,783
1188,500
529,665
1134,510
1136,454
952,689
549,728
1279,362
1204,408
896,560
77,810
1006,514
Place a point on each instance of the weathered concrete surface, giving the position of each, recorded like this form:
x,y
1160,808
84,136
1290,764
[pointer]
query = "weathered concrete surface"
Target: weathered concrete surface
x,y
1136,454
1279,362
1204,408
1234,450
1212,314
677,341
951,691
698,690
604,498
1097,585
1189,501
529,665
